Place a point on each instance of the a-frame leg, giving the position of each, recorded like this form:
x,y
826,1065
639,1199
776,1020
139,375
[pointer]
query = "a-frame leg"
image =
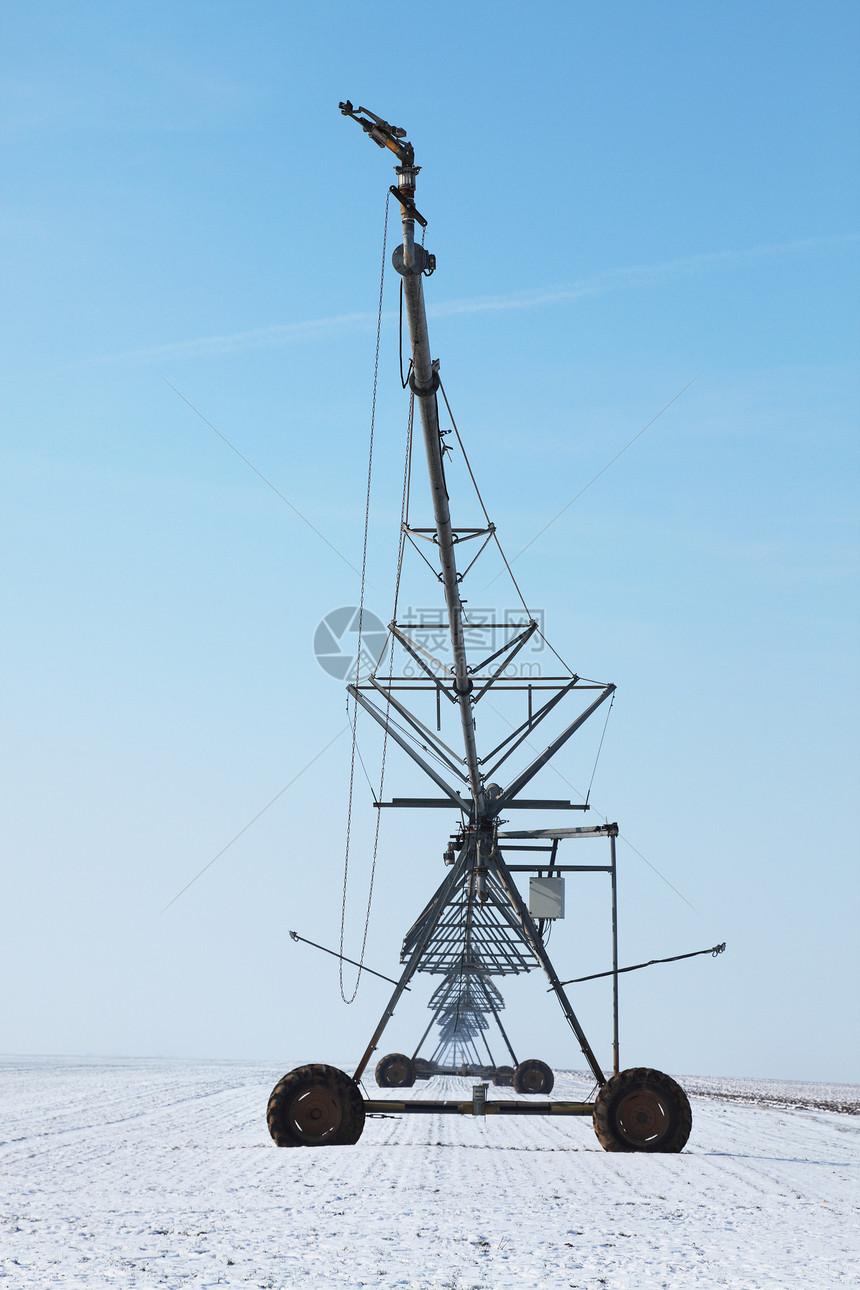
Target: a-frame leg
x,y
434,912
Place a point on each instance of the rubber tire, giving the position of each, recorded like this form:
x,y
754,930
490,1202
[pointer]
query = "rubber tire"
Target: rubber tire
x,y
315,1106
533,1077
504,1076
395,1071
642,1110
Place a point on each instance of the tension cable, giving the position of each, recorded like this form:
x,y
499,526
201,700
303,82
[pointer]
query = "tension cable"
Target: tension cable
x,y
575,980
599,748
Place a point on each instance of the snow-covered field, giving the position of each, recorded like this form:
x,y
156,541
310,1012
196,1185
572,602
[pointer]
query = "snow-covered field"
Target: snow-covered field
x,y
162,1173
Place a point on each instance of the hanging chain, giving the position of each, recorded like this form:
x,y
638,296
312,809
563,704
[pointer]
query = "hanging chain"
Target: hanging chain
x,y
358,655
401,546
404,509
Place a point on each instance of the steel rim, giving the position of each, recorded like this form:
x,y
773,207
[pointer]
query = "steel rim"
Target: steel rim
x,y
316,1113
642,1117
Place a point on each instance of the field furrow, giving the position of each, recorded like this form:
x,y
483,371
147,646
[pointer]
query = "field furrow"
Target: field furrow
x,y
162,1174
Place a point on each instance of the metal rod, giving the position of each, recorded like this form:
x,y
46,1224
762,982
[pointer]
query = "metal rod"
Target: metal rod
x,y
455,797
416,651
441,749
505,663
583,831
509,684
675,958
522,732
519,641
525,804
558,868
343,958
508,1107
615,1049
423,1037
503,1032
487,1046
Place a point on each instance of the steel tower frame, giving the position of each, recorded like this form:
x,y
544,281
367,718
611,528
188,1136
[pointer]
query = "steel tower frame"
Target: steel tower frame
x,y
476,926
477,915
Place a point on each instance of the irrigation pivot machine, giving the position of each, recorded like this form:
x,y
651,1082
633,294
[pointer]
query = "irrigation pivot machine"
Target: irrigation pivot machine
x,y
478,927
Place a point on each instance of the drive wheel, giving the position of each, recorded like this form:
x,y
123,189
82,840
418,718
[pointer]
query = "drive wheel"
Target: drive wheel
x,y
315,1106
395,1071
533,1077
504,1076
642,1110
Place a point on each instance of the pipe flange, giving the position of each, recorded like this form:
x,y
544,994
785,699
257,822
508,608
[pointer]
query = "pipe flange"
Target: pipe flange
x,y
424,389
422,260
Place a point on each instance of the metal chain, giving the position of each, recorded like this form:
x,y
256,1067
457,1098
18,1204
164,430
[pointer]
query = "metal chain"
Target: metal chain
x,y
358,653
401,546
404,506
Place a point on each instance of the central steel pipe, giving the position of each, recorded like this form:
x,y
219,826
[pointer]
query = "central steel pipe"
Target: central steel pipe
x,y
424,383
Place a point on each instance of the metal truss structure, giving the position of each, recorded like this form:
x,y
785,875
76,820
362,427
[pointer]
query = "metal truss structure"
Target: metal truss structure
x,y
477,926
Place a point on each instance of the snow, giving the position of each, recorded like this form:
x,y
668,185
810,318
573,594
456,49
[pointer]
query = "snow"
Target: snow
x,y
145,1174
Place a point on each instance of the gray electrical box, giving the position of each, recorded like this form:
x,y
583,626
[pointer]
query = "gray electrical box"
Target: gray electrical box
x,y
546,897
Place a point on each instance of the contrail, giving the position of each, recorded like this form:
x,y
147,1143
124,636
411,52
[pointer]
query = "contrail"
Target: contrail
x,y
632,277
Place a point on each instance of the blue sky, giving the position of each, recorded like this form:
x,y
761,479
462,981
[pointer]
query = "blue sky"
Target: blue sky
x,y
622,199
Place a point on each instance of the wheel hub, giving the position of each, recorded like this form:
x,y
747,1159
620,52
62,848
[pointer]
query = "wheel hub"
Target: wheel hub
x,y
316,1113
642,1117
